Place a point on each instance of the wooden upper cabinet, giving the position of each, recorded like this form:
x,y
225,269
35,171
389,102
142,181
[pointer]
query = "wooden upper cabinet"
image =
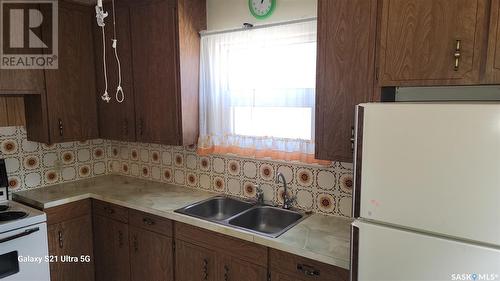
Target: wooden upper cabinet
x,y
68,110
431,42
153,29
492,75
165,51
116,120
345,72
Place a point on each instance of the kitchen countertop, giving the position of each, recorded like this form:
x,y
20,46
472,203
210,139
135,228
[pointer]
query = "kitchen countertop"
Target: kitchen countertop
x,y
318,237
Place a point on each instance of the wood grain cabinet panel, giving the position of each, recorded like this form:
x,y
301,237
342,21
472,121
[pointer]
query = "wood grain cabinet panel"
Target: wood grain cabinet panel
x,y
160,47
153,29
217,256
71,238
419,39
116,120
151,256
68,110
345,72
12,111
194,263
111,249
492,75
69,233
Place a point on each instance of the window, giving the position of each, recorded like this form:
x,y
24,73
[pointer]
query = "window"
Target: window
x,y
257,90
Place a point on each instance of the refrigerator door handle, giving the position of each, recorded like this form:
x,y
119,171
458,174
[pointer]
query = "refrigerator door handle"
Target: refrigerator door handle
x,y
354,252
358,154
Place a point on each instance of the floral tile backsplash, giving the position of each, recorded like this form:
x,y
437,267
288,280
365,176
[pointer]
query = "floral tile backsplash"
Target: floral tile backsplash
x,y
326,190
31,164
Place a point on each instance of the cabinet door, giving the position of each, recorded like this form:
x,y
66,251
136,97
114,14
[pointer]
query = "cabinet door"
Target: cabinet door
x,y
154,49
72,109
233,269
111,250
151,256
419,39
71,239
493,61
346,50
116,120
194,263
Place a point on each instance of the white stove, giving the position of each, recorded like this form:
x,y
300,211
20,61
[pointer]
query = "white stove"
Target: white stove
x,y
15,215
23,241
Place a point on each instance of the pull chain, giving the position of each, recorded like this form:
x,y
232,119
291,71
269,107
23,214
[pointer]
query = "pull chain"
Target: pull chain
x,y
120,96
100,16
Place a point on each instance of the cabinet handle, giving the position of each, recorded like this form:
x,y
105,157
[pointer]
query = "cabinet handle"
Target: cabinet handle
x,y
457,54
205,269
109,210
148,221
136,244
120,239
60,123
141,130
352,139
308,270
226,273
60,239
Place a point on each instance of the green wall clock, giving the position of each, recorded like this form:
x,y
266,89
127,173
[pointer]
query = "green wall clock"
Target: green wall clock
x,y
261,9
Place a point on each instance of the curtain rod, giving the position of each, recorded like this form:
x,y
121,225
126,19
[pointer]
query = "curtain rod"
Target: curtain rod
x,y
205,32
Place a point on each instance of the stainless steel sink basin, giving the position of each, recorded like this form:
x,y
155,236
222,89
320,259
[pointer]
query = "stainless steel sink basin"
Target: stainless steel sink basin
x,y
261,219
266,220
216,208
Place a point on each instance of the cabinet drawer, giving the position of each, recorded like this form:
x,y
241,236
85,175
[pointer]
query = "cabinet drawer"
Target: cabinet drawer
x,y
110,210
68,211
151,222
305,269
243,250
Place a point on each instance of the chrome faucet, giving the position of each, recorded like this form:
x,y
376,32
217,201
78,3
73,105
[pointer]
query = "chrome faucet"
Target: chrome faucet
x,y
259,195
287,201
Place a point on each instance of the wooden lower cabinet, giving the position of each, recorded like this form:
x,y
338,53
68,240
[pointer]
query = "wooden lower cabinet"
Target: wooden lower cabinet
x,y
194,263
129,245
213,256
69,231
72,238
111,249
151,256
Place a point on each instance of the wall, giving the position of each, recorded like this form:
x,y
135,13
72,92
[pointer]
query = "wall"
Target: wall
x,y
12,111
223,14
325,190
33,165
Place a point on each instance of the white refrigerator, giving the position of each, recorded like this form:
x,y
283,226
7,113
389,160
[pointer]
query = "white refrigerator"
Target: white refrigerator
x,y
426,192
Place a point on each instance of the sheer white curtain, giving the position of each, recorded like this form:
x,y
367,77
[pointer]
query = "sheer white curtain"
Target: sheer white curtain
x,y
257,92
